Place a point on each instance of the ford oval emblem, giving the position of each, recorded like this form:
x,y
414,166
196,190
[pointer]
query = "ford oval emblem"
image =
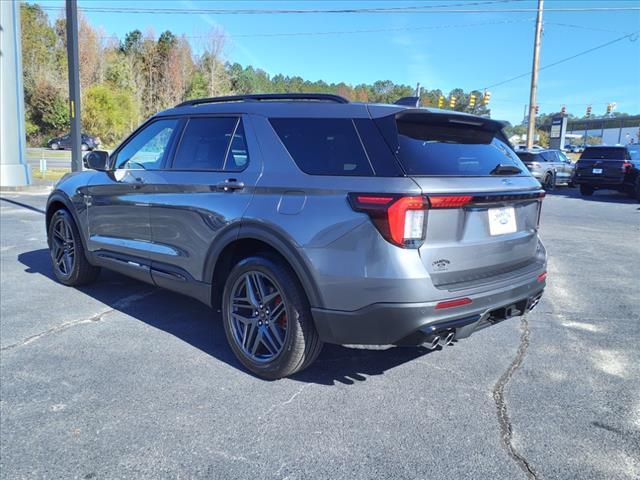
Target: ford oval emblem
x,y
506,181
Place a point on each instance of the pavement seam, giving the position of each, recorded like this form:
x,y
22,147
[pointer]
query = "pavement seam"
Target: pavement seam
x,y
66,325
506,428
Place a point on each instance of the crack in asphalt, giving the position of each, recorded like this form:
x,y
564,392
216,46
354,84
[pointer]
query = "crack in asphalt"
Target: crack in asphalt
x,y
125,302
506,429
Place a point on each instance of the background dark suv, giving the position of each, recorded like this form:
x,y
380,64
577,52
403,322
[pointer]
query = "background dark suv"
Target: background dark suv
x,y
609,167
310,219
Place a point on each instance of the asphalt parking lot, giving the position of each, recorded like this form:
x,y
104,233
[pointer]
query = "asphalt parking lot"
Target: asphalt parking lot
x,y
123,380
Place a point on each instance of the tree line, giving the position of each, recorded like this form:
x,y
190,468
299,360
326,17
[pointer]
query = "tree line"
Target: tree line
x,y
122,82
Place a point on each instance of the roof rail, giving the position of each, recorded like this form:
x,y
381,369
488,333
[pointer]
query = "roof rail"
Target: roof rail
x,y
321,97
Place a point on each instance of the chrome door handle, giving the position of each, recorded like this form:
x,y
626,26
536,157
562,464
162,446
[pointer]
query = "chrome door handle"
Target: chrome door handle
x,y
229,185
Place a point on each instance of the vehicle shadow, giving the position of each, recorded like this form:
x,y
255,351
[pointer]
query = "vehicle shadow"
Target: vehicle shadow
x,y
603,196
201,327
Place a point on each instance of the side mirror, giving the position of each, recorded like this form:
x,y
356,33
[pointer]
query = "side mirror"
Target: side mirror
x,y
97,160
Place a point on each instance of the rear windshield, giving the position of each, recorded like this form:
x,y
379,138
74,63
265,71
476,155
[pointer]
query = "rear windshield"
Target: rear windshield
x,y
445,149
529,157
604,153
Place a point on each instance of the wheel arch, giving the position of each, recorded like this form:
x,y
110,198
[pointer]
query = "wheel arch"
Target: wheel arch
x,y
249,238
56,201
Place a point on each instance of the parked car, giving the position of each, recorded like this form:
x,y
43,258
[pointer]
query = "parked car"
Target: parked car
x,y
523,146
573,148
609,167
308,219
64,142
550,167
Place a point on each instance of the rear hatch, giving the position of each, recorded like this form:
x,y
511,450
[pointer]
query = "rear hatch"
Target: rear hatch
x,y
605,164
481,226
530,159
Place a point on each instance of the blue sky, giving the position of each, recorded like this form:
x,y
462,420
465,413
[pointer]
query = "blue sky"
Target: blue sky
x,y
439,50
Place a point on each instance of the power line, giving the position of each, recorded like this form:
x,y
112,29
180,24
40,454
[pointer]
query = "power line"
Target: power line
x,y
584,52
583,27
347,32
416,9
256,11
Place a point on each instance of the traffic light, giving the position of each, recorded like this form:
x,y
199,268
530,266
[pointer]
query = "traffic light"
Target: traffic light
x,y
452,102
440,101
563,110
537,108
472,100
588,111
609,108
486,97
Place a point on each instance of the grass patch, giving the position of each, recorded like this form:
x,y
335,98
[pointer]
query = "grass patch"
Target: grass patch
x,y
51,175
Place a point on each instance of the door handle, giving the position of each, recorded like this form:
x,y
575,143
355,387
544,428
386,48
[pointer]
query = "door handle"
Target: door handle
x,y
229,185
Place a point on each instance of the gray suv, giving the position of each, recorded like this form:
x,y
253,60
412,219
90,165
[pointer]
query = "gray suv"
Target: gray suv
x,y
310,219
550,167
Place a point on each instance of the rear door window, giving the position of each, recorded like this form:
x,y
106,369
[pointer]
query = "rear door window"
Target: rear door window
x,y
549,156
447,149
323,146
205,144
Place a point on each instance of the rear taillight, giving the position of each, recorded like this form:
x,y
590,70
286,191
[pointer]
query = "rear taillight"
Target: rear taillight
x,y
400,219
449,201
626,166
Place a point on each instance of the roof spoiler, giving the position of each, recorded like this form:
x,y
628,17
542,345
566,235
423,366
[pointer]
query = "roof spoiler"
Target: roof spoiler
x,y
441,116
408,102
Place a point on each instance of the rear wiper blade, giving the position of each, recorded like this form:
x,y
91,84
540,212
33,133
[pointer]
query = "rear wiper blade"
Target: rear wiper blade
x,y
505,169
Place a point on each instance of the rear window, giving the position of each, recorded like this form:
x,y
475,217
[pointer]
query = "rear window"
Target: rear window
x,y
604,153
529,157
438,149
323,146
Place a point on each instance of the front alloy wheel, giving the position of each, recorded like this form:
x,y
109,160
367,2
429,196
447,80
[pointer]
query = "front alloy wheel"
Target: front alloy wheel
x,y
70,265
63,247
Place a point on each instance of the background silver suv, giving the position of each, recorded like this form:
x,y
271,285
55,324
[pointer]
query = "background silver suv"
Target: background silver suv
x,y
310,219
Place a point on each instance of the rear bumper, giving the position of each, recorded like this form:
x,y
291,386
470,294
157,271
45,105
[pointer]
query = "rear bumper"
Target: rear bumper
x,y
411,323
598,181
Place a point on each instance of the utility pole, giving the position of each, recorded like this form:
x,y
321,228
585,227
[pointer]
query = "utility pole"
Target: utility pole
x,y
74,85
531,127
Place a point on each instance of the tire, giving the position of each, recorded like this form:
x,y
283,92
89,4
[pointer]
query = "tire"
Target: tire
x,y
68,259
287,345
55,146
586,190
549,182
636,189
84,147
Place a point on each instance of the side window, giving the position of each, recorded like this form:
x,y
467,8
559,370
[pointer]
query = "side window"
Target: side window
x,y
238,156
323,146
146,150
205,142
548,157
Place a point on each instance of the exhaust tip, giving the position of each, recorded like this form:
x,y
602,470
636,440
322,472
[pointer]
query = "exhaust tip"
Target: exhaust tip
x,y
433,342
449,338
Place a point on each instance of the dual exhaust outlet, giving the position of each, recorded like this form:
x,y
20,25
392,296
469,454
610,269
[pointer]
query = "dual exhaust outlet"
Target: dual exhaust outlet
x,y
443,338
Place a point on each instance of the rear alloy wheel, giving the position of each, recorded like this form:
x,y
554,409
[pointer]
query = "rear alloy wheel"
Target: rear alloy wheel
x,y
70,265
586,190
636,190
267,318
55,146
549,182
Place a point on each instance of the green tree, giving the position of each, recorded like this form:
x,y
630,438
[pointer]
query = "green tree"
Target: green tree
x,y
108,113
